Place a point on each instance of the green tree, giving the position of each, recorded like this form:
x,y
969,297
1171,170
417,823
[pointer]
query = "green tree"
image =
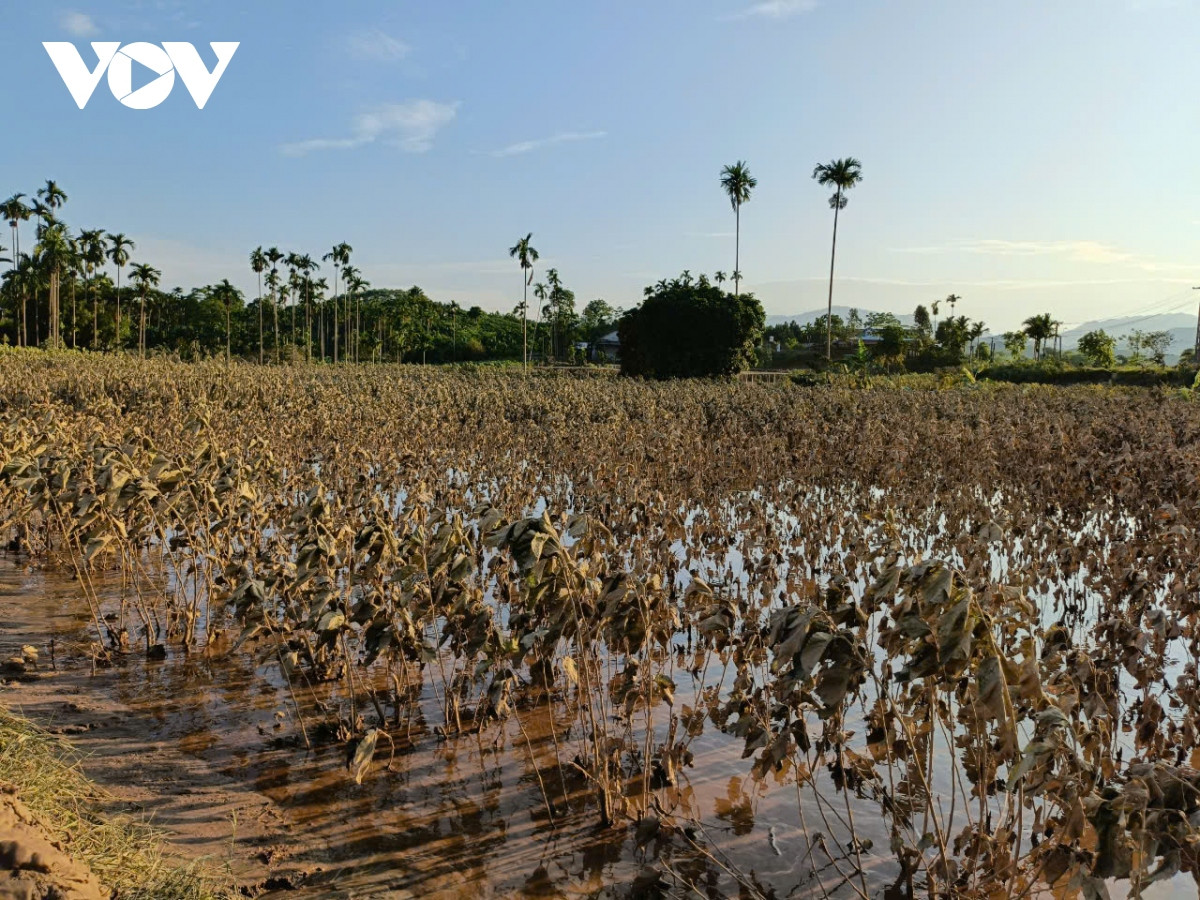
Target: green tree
x,y
687,329
524,253
1039,329
598,319
53,256
227,296
1157,343
738,183
119,248
258,264
842,175
1014,343
15,211
146,277
922,322
339,256
1099,348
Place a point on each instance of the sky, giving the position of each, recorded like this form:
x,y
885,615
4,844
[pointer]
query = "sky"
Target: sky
x,y
1027,155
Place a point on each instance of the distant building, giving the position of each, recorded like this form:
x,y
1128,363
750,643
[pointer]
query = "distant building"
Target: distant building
x,y
608,348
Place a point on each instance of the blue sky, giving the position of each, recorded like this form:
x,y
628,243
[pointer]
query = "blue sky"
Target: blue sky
x,y
1028,156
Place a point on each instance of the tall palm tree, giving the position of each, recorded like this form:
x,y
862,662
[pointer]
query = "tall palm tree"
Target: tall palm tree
x,y
95,251
74,271
541,294
226,294
308,265
1040,329
53,254
355,284
146,277
738,183
274,256
340,257
15,211
349,274
258,263
841,174
20,279
119,247
526,255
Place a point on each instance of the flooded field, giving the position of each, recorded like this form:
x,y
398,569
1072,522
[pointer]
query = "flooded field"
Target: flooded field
x,y
391,633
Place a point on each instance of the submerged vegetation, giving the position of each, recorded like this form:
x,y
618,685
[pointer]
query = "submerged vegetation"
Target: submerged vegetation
x,y
957,628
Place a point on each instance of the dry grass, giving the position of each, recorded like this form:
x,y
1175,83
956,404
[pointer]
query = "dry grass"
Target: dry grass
x,y
128,857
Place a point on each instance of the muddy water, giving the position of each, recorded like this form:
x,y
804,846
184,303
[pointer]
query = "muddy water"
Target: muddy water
x,y
208,745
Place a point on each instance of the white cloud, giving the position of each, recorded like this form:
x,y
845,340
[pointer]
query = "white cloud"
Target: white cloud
x,y
410,126
376,46
776,9
79,24
1093,252
561,138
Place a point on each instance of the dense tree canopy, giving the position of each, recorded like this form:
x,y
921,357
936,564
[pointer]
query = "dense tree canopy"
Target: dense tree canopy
x,y
687,328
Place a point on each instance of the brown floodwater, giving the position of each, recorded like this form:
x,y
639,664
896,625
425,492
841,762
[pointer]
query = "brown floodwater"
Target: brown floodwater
x,y
208,745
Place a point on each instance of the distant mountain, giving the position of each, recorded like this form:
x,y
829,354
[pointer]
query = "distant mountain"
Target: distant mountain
x,y
1180,326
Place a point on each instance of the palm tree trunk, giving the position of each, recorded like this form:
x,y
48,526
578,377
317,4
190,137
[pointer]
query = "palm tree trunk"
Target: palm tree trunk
x,y
307,324
737,251
117,336
260,316
74,318
95,314
525,324
832,259
275,312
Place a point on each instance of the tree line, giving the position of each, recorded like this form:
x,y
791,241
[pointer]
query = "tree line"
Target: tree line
x,y
85,289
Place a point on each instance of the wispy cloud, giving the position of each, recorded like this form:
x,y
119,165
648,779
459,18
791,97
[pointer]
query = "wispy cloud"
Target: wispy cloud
x,y
775,9
1075,251
561,138
376,46
410,126
78,24
1094,252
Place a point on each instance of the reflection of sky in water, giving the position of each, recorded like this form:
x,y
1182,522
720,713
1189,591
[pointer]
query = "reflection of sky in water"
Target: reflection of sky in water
x,y
475,800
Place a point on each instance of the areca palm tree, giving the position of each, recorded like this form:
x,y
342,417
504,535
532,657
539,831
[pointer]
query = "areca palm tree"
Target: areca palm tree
x,y
74,271
15,211
95,250
258,263
738,183
225,293
524,253
146,277
308,265
349,345
53,255
19,280
541,294
274,256
1040,329
340,257
355,284
119,247
842,175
